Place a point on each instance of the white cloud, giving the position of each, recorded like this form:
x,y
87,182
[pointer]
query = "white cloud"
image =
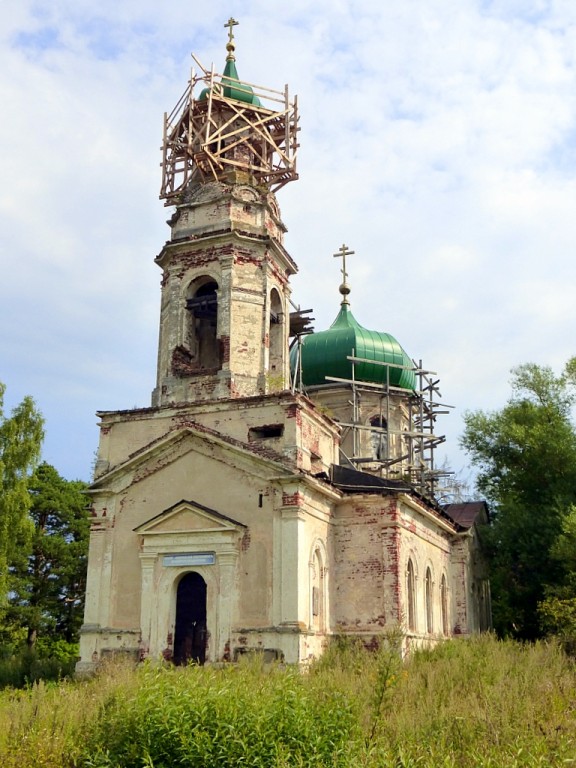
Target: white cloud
x,y
438,141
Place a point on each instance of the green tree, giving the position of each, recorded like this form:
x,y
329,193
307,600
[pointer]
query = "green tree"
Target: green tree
x,y
48,583
526,460
21,436
558,610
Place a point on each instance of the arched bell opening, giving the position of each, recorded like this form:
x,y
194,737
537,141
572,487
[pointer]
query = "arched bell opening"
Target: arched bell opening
x,y
276,340
202,323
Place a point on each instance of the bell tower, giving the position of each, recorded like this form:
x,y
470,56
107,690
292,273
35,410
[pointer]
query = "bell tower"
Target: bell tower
x,y
228,147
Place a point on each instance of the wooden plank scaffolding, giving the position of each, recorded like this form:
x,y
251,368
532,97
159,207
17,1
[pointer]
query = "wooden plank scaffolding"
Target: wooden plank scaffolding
x,y
215,134
416,464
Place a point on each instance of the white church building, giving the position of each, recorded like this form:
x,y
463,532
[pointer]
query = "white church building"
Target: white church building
x,y
281,488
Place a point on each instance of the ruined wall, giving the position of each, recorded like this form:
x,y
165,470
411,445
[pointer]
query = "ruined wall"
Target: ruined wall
x,y
219,455
427,540
365,553
288,425
471,599
373,539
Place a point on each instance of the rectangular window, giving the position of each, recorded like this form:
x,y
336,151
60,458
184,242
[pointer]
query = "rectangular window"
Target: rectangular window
x,y
265,432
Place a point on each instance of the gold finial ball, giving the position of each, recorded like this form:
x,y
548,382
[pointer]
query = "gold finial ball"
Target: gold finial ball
x,y
344,289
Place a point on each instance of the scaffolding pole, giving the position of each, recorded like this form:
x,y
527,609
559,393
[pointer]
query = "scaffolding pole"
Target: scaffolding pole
x,y
417,442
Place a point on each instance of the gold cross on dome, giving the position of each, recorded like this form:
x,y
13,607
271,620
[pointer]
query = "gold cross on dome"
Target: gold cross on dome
x,y
342,253
231,23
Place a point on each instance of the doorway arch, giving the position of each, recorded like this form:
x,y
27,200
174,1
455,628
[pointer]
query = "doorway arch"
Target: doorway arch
x,y
190,633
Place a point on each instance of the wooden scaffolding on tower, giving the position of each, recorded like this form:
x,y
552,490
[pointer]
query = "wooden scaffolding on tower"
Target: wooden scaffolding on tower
x,y
221,125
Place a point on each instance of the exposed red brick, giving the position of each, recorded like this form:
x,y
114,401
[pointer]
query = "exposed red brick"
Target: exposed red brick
x,y
293,499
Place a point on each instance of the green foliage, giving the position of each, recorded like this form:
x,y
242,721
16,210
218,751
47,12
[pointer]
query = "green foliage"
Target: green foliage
x,y
481,703
563,551
51,658
21,436
57,648
26,666
526,457
557,612
47,582
213,718
558,617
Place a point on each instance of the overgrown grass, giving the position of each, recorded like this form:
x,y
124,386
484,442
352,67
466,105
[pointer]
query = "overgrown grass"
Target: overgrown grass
x,y
479,704
482,703
224,717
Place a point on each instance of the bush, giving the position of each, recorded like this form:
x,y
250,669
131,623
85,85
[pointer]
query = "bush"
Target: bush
x,y
558,617
21,666
213,718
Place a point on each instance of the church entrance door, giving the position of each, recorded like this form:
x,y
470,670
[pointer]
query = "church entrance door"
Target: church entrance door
x,y
190,634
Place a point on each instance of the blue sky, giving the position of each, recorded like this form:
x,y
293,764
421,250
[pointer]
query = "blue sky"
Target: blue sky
x,y
437,141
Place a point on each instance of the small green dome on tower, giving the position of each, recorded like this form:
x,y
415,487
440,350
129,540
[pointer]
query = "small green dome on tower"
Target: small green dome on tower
x,y
326,353
232,87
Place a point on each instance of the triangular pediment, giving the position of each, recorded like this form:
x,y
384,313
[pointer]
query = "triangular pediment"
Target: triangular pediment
x,y
189,517
182,441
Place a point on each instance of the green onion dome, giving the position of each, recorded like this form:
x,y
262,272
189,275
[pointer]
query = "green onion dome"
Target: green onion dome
x,y
234,89
230,85
325,354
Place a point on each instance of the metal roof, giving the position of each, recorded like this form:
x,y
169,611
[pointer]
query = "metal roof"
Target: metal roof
x,y
326,354
467,513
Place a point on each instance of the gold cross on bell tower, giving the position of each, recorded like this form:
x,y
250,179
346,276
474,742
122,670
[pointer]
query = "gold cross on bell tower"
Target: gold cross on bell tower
x,y
231,23
344,289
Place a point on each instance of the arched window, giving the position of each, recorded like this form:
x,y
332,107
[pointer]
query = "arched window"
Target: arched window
x,y
202,305
428,593
276,341
411,596
317,592
444,604
379,437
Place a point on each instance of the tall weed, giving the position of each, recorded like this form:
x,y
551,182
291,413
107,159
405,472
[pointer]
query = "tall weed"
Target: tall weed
x,y
477,703
213,718
44,724
483,702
